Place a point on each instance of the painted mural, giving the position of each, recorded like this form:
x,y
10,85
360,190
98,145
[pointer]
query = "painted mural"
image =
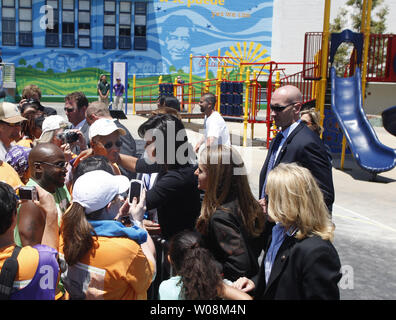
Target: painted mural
x,y
174,30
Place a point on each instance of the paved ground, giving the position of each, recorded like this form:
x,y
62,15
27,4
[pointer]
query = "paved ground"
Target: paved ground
x,y
363,213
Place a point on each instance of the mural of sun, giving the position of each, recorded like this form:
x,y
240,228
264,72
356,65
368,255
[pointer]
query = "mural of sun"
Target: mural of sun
x,y
253,53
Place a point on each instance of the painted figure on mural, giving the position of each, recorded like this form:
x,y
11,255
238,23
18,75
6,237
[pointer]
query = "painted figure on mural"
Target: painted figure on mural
x,y
178,32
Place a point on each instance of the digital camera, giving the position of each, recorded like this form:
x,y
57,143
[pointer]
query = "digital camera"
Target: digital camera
x,y
68,136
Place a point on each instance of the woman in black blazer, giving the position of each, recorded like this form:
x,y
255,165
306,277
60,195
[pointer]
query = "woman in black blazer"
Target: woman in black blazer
x,y
231,219
300,260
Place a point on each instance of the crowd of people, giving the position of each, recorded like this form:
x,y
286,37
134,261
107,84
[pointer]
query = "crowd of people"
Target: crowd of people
x,y
195,230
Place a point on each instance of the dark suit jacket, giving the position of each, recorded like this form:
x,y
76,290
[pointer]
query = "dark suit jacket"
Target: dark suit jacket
x,y
85,131
303,270
228,241
175,195
305,147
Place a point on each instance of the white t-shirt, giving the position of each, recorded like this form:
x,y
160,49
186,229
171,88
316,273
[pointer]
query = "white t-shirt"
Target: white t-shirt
x,y
216,127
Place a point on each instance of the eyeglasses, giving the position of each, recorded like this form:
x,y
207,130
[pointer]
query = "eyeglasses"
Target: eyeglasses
x,y
16,124
109,144
278,108
68,109
60,165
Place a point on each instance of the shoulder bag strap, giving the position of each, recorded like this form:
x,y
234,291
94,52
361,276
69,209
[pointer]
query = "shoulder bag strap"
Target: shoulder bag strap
x,y
8,273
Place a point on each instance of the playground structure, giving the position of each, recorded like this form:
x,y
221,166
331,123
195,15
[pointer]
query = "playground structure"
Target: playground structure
x,y
243,89
238,87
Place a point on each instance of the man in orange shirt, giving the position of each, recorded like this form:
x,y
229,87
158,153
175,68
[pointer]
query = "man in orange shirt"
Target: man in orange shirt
x,y
36,265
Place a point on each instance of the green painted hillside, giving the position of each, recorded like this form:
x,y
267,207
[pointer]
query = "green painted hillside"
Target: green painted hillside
x,y
58,85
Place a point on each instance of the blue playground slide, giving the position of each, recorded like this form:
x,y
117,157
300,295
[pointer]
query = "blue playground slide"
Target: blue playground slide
x,y
347,105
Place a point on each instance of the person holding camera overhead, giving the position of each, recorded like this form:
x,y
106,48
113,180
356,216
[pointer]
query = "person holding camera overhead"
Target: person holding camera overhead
x,y
35,265
76,104
32,94
55,129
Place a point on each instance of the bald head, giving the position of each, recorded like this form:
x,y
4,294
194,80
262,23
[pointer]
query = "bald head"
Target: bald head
x,y
43,152
95,111
46,164
289,99
288,94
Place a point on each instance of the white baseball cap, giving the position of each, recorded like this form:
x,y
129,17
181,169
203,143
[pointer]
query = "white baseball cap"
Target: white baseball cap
x,y
9,113
94,190
104,127
54,122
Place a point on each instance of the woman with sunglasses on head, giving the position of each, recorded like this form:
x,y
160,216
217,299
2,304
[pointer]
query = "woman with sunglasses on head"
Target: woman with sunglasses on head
x,y
300,261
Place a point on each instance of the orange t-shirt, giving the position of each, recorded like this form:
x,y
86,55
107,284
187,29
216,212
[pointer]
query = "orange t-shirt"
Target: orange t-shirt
x,y
9,175
28,260
114,269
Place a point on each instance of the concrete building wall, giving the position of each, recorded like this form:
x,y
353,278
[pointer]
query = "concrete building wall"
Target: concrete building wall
x,y
379,96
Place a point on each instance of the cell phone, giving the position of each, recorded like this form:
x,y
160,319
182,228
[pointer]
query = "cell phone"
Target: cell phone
x,y
135,190
28,193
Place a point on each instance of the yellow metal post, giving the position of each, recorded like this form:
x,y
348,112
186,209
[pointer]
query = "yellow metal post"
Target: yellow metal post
x,y
190,87
175,85
245,117
366,45
277,80
324,59
134,94
159,82
240,70
218,91
343,152
254,105
207,73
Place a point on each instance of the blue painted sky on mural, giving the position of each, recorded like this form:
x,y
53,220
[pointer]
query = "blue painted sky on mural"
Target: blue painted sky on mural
x,y
174,31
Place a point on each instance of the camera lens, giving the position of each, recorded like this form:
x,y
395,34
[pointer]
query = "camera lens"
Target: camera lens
x,y
71,136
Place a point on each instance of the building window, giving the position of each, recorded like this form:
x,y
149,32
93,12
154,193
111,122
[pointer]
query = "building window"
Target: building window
x,y
109,25
124,40
52,30
140,42
25,23
68,24
8,23
84,23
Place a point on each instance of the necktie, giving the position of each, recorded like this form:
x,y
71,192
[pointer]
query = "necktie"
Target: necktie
x,y
271,160
146,180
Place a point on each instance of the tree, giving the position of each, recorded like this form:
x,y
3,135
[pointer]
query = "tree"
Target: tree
x,y
39,65
353,12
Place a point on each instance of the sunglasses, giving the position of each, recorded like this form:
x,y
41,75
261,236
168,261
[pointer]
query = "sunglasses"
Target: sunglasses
x,y
13,125
278,108
60,165
68,109
109,144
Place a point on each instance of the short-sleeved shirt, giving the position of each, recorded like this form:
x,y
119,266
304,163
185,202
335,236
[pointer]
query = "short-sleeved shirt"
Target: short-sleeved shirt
x,y
37,274
9,175
28,260
216,127
104,87
119,89
114,269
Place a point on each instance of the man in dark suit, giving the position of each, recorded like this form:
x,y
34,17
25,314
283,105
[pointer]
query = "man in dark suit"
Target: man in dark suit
x,y
296,143
75,105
